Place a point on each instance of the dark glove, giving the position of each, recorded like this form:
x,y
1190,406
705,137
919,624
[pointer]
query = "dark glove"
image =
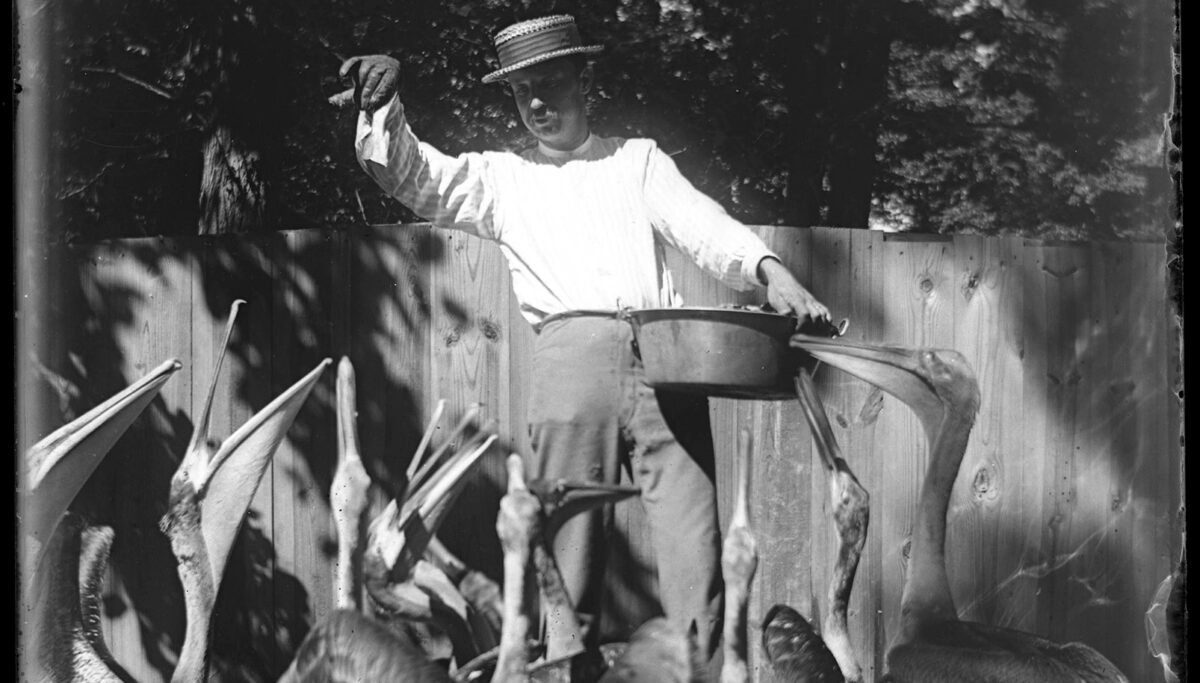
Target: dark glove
x,y
376,79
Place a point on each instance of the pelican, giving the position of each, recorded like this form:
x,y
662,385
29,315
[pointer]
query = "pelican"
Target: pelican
x,y
348,645
518,524
210,492
403,586
563,655
348,493
351,646
65,643
793,647
933,644
478,589
531,514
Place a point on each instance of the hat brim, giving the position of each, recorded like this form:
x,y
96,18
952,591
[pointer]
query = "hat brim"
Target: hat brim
x,y
499,74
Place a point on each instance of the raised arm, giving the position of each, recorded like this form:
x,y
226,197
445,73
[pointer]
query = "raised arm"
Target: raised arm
x,y
450,191
698,226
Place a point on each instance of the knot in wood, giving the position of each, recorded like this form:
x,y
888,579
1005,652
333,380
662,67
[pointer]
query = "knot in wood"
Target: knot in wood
x,y
969,287
984,485
490,329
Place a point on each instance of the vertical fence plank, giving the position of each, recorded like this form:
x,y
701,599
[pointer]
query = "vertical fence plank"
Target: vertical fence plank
x,y
308,314
133,480
1129,409
998,510
470,353
916,311
852,262
1062,273
390,311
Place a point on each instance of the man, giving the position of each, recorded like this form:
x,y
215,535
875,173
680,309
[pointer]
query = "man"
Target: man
x,y
583,221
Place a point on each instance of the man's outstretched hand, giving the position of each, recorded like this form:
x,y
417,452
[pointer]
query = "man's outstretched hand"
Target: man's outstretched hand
x,y
376,80
788,296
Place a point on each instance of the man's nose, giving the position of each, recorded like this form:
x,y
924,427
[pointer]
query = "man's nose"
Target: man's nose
x,y
537,103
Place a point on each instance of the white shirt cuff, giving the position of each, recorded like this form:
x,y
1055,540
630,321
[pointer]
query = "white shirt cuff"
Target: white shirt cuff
x,y
750,264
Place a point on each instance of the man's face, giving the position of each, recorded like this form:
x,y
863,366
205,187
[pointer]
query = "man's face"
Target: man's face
x,y
550,97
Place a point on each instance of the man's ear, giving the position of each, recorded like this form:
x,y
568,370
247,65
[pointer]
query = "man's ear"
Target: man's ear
x,y
586,79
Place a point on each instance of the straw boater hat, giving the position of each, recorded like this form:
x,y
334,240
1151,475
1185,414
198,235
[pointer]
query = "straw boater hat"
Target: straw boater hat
x,y
535,41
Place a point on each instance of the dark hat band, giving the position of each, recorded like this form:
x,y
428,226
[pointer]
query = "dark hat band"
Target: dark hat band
x,y
535,41
520,48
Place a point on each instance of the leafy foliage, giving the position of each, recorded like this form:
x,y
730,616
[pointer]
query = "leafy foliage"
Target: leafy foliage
x,y
989,116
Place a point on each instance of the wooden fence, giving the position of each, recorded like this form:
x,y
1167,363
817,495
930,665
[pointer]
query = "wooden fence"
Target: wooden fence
x,y
1063,522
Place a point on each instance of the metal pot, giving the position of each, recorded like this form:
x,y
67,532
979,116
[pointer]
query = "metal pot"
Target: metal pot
x,y
727,352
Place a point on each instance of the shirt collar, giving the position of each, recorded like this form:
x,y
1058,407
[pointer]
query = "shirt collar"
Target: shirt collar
x,y
559,154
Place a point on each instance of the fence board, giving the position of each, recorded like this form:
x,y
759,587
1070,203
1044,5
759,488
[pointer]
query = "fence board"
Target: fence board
x,y
470,359
861,287
999,507
390,283
784,468
915,311
1062,274
108,277
1072,345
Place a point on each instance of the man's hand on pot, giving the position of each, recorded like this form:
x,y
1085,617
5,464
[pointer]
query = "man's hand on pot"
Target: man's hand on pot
x,y
788,296
376,79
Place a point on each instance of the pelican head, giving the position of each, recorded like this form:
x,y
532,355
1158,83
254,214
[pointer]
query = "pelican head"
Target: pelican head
x,y
935,383
58,466
562,499
400,581
211,490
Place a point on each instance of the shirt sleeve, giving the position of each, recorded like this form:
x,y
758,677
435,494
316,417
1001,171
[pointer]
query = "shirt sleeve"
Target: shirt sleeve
x,y
699,227
449,191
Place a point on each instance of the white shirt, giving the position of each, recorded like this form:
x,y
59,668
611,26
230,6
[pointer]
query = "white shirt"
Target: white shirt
x,y
581,230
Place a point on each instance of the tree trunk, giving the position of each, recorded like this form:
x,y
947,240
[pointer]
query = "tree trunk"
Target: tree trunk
x,y
245,74
233,188
807,83
852,168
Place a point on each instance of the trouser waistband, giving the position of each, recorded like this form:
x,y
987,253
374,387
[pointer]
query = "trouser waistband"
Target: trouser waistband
x,y
580,313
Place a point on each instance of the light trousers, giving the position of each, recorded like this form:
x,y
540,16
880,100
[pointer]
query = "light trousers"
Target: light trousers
x,y
592,413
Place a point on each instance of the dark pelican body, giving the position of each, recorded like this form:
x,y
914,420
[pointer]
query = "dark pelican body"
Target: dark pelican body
x,y
795,650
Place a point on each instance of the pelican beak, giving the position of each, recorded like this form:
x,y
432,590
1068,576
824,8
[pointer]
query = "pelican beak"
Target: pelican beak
x,y
347,433
563,499
897,370
818,421
238,467
434,498
59,465
401,533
